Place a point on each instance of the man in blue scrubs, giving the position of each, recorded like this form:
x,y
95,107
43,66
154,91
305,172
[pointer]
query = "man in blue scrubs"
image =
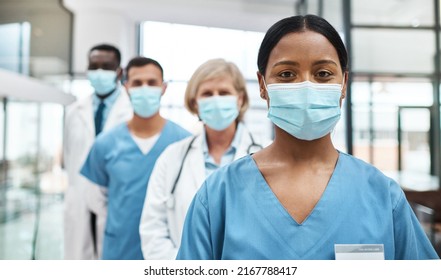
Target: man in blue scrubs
x,y
122,159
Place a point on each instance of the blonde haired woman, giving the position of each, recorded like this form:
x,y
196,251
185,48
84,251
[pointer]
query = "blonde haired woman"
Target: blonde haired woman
x,y
217,94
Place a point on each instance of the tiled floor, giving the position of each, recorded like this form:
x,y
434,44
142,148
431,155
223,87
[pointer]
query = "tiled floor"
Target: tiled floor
x,y
17,234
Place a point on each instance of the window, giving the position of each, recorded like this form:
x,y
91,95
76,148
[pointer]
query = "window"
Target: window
x,y
180,49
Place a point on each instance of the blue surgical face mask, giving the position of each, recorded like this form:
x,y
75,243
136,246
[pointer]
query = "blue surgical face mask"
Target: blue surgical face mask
x,y
145,100
103,81
218,112
306,110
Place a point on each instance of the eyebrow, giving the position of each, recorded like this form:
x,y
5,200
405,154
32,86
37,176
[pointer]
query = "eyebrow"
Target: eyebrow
x,y
286,62
294,63
325,61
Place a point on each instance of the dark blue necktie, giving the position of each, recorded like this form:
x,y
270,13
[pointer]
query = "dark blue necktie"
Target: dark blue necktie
x,y
99,118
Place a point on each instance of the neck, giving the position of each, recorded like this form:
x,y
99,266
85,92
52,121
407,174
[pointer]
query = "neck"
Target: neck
x,y
104,96
146,127
219,141
297,150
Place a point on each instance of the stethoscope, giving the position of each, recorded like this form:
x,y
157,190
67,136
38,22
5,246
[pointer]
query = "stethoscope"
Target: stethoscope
x,y
252,148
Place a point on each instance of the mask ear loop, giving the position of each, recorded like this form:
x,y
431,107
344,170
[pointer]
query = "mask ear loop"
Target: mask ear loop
x,y
342,105
266,87
264,83
342,86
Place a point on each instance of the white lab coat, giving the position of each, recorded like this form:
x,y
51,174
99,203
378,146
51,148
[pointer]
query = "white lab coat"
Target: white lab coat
x,y
161,225
83,197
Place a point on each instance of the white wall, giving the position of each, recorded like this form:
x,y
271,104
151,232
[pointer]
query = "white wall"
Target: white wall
x,y
92,27
115,21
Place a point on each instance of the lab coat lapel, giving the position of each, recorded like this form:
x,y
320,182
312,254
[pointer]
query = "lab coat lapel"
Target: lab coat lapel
x,y
197,166
85,113
244,143
120,111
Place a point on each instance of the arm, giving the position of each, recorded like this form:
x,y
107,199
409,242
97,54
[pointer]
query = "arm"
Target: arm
x,y
154,228
66,142
411,241
94,168
196,237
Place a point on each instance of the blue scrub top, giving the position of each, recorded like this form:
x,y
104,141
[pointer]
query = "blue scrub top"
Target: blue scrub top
x,y
227,157
116,162
235,215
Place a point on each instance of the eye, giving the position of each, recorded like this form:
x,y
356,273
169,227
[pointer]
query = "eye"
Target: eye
x,y
225,93
323,74
93,67
137,83
206,94
286,74
153,83
108,66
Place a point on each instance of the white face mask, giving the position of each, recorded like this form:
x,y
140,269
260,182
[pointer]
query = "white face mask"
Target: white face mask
x,y
103,81
306,110
146,100
218,112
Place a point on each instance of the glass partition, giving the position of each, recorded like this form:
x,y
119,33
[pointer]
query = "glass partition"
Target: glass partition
x,y
197,44
393,51
412,13
14,47
376,108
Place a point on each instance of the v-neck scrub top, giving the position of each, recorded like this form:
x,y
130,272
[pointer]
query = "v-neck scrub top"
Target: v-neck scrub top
x,y
235,215
116,162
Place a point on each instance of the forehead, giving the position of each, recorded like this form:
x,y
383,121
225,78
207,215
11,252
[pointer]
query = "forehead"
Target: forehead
x,y
220,81
149,71
101,55
303,47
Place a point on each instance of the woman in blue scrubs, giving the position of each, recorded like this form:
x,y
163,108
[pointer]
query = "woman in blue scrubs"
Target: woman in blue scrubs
x,y
300,198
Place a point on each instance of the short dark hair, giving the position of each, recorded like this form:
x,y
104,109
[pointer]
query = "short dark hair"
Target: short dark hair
x,y
140,61
297,24
110,48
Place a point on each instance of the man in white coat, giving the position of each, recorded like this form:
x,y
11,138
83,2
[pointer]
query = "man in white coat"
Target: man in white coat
x,y
85,206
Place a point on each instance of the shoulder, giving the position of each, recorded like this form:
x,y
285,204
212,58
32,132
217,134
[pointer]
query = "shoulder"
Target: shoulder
x,y
178,130
228,182
236,167
175,125
177,149
235,175
370,178
111,136
357,166
78,105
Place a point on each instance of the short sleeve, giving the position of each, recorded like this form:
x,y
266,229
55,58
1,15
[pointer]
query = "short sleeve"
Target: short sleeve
x,y
94,167
196,236
411,242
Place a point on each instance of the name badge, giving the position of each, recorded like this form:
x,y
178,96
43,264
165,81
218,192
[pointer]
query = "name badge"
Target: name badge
x,y
359,251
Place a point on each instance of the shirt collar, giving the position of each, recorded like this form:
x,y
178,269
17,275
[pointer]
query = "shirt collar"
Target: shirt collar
x,y
109,100
234,144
